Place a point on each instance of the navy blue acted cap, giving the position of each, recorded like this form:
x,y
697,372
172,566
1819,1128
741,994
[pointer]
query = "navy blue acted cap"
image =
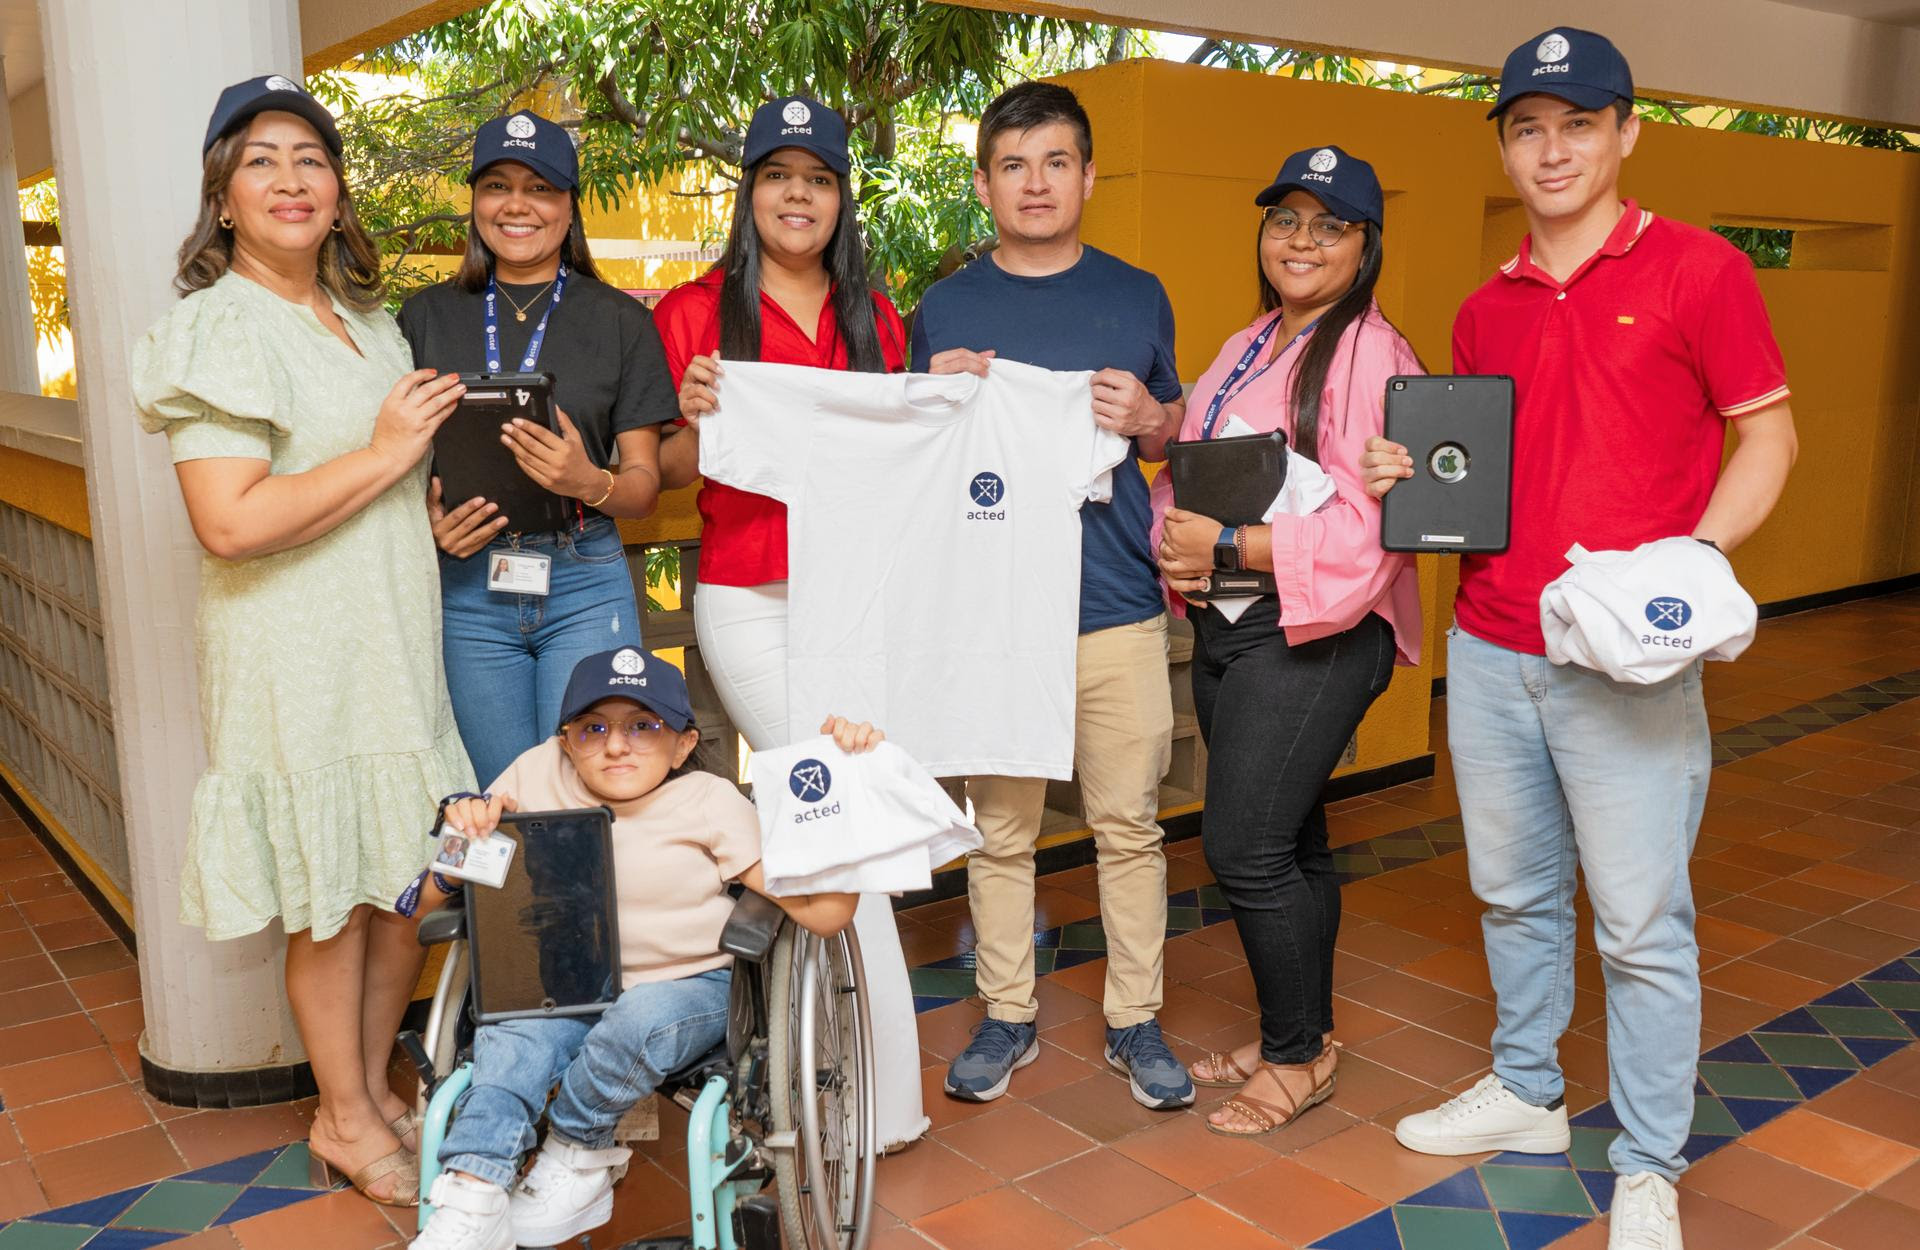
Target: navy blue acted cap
x,y
1577,66
1345,184
628,673
542,146
239,104
795,121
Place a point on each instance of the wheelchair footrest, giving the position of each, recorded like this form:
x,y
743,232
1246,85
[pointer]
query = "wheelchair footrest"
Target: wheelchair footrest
x,y
659,1243
756,1223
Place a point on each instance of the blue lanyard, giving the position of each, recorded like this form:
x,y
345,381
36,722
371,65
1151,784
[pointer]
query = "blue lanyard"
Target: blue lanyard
x,y
539,332
1233,384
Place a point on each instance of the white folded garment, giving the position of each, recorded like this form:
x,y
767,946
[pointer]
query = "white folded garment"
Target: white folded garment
x,y
872,823
1644,615
1305,491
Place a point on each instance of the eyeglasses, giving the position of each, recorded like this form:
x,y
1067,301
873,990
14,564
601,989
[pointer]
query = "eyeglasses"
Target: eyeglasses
x,y
1325,230
592,734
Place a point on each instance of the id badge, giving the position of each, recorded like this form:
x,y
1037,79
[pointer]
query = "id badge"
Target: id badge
x,y
518,572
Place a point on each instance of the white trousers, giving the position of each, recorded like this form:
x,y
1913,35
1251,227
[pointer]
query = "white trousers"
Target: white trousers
x,y
742,631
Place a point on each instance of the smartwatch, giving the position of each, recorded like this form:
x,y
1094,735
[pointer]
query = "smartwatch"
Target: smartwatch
x,y
1226,555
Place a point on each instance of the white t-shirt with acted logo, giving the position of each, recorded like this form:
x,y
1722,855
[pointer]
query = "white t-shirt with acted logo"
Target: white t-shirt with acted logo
x,y
872,823
933,548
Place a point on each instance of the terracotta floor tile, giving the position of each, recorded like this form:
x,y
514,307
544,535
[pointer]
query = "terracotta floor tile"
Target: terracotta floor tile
x,y
350,1221
1888,918
80,931
1756,914
946,1030
1902,1187
1367,1158
925,1178
1188,959
1088,979
103,989
1852,1156
1181,1149
1461,970
1194,1223
941,1109
1058,1066
1365,1088
49,1126
1409,998
1471,1022
1869,1222
648,1202
112,1163
212,1239
43,1038
80,961
1188,1012
119,1022
1773,1189
1085,1037
41,1002
1058,1004
1295,1203
54,907
207,1137
1728,937
1103,1189
1387,945
1756,982
19,1191
1876,1109
1816,963
1426,1056
1235,985
897,1237
25,972
1842,934
997,1219
1013,1139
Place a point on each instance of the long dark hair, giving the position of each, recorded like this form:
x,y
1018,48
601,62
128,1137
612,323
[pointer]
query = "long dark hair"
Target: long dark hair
x,y
477,262
846,264
1310,370
349,263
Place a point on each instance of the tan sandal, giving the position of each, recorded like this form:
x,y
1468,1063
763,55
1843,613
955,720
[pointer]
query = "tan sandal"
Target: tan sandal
x,y
1267,1116
403,1163
1221,1061
407,1122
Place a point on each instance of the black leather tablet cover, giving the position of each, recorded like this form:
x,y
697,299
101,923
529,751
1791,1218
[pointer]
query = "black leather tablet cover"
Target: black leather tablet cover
x,y
1459,431
471,460
547,941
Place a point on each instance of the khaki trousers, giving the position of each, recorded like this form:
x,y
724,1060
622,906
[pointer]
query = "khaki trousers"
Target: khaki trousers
x,y
1123,742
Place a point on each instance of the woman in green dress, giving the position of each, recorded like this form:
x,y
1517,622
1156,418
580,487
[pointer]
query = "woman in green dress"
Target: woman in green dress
x,y
299,432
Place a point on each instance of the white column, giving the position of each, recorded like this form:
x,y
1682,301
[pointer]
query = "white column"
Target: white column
x,y
130,85
19,368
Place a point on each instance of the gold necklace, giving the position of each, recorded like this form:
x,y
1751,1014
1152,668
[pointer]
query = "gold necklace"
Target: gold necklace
x,y
520,310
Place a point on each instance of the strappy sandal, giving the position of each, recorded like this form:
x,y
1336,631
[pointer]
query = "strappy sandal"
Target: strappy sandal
x,y
402,1163
1271,1117
404,1123
1221,1061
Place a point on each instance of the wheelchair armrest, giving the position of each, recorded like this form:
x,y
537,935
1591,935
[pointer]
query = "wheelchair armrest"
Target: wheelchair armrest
x,y
752,926
449,924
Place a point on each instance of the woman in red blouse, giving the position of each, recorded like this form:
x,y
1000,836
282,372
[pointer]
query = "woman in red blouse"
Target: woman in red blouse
x,y
791,289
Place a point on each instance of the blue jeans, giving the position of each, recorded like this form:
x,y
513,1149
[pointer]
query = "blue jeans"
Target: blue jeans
x,y
1561,768
509,656
603,1064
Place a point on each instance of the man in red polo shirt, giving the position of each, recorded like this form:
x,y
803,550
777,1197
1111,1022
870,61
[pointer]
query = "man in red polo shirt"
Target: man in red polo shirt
x,y
1633,342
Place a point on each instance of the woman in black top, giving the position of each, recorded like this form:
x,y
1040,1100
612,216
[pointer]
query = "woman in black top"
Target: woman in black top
x,y
527,299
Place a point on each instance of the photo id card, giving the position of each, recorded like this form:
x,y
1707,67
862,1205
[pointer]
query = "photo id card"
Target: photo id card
x,y
481,860
518,572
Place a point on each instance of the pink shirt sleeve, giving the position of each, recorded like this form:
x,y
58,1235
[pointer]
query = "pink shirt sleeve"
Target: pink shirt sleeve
x,y
1328,566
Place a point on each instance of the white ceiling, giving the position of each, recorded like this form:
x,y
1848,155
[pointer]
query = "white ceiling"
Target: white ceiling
x,y
1894,12
20,44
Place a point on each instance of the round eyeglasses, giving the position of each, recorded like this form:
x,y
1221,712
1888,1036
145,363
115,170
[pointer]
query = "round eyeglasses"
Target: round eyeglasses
x,y
591,734
1282,223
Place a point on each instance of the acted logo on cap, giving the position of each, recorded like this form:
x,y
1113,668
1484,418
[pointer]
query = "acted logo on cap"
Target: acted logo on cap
x,y
281,83
520,126
629,662
1323,161
796,113
1553,48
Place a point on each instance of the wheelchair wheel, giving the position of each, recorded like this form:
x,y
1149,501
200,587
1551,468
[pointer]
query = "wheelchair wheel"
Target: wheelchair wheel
x,y
820,1060
446,1029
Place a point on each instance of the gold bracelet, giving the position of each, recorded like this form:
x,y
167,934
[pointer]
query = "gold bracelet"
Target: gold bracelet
x,y
609,494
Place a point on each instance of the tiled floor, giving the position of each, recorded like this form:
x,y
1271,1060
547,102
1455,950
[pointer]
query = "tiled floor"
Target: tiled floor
x,y
1807,1121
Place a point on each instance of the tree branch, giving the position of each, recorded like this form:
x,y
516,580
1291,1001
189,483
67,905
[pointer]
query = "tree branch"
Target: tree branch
x,y
1455,84
1205,49
727,149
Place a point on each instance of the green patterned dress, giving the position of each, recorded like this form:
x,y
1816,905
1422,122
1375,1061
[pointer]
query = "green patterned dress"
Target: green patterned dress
x,y
329,735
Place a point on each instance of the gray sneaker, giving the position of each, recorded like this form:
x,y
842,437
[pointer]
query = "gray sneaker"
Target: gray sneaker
x,y
1157,1079
981,1072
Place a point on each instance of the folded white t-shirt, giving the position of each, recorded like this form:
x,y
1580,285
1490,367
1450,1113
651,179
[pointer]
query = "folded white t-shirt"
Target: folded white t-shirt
x,y
1644,615
872,823
1306,489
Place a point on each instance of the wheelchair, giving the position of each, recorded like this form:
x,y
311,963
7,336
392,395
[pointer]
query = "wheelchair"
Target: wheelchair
x,y
781,1135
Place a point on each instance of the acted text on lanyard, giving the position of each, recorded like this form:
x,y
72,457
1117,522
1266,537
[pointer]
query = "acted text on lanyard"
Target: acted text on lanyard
x,y
534,344
1238,380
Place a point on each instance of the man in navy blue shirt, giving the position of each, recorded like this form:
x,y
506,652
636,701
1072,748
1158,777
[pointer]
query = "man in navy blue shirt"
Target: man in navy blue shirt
x,y
1045,298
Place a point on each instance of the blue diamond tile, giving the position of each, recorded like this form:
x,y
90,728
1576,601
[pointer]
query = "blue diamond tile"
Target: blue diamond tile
x,y
1513,1158
962,960
1214,915
260,1199
1911,1019
1751,1113
1846,996
241,1171
1799,1020
1070,957
1047,938
1742,1049
1700,1145
1700,1086
95,1211
1529,1231
1376,1232
1816,1081
1185,898
1898,970
1599,1188
1600,1115
133,1238
926,1002
1871,1050
1462,1189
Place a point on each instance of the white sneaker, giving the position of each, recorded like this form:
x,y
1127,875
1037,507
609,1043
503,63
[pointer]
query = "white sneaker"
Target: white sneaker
x,y
1645,1214
567,1191
467,1215
1486,1117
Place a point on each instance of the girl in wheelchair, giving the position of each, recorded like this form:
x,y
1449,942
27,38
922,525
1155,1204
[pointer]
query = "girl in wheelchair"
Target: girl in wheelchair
x,y
679,836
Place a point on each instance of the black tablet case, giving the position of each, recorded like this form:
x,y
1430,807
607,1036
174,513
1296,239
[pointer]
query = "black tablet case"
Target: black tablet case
x,y
547,941
1234,481
472,461
1451,425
